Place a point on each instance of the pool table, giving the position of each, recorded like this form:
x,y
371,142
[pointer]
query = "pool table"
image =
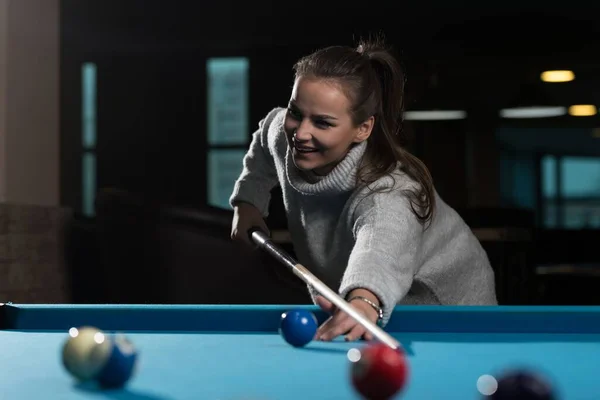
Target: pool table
x,y
229,352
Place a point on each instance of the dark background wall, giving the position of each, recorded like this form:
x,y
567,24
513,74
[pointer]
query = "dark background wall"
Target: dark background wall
x,y
151,125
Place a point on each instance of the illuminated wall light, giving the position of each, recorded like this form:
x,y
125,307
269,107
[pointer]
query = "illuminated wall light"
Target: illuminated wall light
x,y
533,112
435,115
557,76
583,110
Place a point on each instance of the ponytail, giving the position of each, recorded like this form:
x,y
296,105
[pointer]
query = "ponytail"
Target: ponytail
x,y
386,147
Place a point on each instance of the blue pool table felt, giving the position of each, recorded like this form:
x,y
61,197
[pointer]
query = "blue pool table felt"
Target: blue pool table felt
x,y
235,352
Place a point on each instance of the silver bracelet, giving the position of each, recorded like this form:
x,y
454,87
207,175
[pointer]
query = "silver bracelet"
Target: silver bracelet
x,y
378,309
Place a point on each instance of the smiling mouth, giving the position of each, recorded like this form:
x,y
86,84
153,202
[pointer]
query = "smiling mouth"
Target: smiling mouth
x,y
304,149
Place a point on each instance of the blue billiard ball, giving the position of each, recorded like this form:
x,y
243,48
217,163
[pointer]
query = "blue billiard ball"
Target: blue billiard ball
x,y
298,327
523,385
118,360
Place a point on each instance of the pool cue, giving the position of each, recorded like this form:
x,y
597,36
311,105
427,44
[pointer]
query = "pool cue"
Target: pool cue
x,y
264,242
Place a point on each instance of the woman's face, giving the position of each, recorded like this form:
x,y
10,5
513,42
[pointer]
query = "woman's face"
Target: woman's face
x,y
319,127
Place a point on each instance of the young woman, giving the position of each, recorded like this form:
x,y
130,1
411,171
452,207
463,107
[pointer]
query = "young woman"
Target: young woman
x,y
362,211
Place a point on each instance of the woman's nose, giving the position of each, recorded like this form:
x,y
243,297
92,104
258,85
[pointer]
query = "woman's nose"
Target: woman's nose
x,y
302,132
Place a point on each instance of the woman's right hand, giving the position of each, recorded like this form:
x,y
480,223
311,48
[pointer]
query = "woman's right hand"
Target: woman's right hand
x,y
246,216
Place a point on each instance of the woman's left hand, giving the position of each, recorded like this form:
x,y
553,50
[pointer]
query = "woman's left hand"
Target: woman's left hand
x,y
341,323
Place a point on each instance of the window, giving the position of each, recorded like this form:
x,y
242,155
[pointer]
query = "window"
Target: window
x,y
227,83
224,166
549,188
517,179
571,192
88,138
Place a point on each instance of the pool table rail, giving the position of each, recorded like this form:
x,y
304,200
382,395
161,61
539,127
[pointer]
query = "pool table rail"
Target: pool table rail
x,y
240,319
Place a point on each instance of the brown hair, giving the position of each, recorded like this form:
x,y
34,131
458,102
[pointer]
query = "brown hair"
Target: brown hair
x,y
373,80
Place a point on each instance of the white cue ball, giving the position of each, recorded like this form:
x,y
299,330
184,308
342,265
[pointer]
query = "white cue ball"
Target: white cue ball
x,y
77,352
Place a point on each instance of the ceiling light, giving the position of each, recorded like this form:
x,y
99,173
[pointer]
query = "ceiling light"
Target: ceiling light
x,y
533,112
434,115
557,76
583,110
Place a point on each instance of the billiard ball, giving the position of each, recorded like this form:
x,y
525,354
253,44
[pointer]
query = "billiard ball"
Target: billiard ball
x,y
379,372
298,327
119,362
77,350
522,385
91,355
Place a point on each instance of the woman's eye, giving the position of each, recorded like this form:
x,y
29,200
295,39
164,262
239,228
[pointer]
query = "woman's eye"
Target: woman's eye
x,y
294,113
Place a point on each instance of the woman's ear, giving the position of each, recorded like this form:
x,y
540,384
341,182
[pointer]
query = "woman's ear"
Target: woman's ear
x,y
364,130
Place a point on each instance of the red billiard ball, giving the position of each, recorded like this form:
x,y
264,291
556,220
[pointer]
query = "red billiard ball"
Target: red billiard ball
x,y
380,372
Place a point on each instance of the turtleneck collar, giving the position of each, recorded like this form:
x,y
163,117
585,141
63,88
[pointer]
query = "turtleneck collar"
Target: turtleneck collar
x,y
340,180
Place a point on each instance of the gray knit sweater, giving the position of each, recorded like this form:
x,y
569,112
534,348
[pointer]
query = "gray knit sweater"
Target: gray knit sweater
x,y
352,239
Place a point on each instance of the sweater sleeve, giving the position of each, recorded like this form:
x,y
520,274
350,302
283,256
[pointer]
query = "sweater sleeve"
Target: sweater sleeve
x,y
258,176
384,257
